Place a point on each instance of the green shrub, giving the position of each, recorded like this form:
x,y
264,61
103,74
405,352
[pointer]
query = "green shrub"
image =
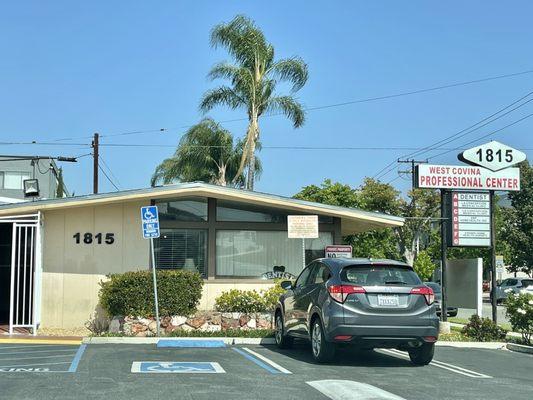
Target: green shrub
x,y
483,329
520,314
131,293
243,301
249,301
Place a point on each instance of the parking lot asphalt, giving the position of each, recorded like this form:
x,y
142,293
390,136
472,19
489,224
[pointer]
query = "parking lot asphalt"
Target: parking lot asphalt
x,y
260,372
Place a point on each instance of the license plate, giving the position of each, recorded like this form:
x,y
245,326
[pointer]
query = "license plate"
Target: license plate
x,y
387,300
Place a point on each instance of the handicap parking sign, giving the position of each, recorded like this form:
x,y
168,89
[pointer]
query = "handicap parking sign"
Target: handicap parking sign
x,y
150,222
173,367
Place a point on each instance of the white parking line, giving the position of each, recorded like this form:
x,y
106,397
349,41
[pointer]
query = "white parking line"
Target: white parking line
x,y
31,365
348,390
268,361
440,364
33,358
36,351
32,346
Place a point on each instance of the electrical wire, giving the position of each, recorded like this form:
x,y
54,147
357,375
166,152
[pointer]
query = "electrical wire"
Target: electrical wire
x,y
109,169
108,178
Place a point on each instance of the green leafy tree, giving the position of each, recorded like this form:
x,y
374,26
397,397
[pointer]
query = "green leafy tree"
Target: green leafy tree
x,y
205,153
253,76
424,266
517,228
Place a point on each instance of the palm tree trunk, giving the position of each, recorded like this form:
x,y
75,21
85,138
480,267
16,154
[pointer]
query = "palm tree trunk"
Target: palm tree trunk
x,y
250,178
244,157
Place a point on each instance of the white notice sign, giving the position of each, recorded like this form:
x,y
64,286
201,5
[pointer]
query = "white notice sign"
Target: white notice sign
x,y
302,226
470,214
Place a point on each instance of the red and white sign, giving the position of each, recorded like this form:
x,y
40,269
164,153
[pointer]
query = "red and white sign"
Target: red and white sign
x,y
339,251
466,177
470,216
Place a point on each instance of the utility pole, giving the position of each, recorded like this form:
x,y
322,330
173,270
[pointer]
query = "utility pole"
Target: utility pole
x,y
494,300
95,163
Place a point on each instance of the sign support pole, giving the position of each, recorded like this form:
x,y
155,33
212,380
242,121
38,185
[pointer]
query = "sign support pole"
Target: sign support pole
x,y
493,259
303,252
155,285
443,251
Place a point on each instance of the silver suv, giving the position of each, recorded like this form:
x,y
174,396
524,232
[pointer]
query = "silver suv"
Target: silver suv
x,y
364,303
511,285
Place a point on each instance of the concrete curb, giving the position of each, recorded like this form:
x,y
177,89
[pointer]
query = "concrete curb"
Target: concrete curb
x,y
520,348
154,340
473,345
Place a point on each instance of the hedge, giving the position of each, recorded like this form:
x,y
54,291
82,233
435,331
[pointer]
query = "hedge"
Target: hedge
x,y
249,301
131,293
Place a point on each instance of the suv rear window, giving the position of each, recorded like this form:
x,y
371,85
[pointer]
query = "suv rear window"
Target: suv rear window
x,y
378,275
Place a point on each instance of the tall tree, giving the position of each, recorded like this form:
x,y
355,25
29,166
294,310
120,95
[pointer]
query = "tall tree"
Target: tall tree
x,y
253,75
205,153
517,229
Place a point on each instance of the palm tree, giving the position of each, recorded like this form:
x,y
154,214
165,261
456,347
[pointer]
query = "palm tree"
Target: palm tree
x,y
253,76
205,153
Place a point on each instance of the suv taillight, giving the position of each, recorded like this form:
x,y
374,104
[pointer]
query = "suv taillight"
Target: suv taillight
x,y
425,291
339,293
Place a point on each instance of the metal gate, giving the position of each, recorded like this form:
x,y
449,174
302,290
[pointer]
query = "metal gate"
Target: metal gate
x,y
25,271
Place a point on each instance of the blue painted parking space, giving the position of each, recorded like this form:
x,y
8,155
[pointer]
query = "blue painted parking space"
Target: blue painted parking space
x,y
162,367
41,358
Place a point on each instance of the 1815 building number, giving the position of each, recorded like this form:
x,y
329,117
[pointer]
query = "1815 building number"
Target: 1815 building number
x,y
99,238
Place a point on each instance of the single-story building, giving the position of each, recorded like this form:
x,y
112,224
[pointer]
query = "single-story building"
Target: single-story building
x,y
54,253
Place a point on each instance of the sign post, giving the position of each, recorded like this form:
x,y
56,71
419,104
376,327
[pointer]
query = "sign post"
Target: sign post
x,y
302,227
150,227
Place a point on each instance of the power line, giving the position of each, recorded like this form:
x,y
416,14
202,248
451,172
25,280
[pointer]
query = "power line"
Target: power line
x,y
108,178
109,169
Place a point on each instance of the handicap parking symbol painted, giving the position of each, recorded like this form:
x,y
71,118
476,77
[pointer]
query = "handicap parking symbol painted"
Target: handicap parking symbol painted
x,y
172,367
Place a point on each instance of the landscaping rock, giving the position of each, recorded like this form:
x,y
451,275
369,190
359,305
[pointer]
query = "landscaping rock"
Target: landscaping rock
x,y
196,322
252,324
152,326
115,326
177,320
229,323
244,319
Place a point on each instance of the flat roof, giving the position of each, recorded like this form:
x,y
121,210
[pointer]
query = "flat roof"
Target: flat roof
x,y
353,220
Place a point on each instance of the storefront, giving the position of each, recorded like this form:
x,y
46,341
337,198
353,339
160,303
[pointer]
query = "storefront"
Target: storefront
x,y
233,238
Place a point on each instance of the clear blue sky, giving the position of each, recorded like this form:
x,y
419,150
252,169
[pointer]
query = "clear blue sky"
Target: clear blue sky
x,y
69,69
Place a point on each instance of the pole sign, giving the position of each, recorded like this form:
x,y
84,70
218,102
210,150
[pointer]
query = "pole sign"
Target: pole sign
x,y
302,226
493,155
150,222
429,176
469,219
337,251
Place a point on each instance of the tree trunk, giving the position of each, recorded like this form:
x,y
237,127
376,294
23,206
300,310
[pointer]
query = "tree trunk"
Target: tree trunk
x,y
251,155
244,157
221,178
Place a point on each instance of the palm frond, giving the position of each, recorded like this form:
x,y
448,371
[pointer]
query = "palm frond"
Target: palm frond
x,y
288,106
222,95
292,69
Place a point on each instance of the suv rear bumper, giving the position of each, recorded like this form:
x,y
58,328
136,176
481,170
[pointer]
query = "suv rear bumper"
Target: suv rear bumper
x,y
382,336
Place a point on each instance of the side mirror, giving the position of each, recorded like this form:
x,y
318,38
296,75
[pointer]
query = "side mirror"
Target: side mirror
x,y
286,285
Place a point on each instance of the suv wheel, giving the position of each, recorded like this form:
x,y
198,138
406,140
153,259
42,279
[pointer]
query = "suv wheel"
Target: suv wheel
x,y
323,351
283,341
422,355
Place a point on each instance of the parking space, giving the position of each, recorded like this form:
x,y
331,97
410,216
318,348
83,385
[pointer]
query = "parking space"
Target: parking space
x,y
41,358
261,372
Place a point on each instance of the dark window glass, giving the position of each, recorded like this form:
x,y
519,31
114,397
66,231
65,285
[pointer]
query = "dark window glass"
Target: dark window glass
x,y
320,274
231,211
371,275
512,282
302,279
189,209
527,282
181,249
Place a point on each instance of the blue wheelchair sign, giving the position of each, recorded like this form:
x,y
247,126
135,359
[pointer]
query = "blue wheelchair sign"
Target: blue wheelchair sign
x,y
150,222
170,367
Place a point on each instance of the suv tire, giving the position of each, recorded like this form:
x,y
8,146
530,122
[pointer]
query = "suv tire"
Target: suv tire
x,y
282,340
322,350
422,355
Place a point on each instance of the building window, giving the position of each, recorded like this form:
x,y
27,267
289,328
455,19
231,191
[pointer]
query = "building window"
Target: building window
x,y
189,209
182,249
13,180
252,253
231,211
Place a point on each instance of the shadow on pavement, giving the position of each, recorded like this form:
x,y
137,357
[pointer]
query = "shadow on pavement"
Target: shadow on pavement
x,y
344,356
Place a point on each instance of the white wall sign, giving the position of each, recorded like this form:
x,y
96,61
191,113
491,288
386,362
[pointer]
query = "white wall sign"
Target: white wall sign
x,y
338,251
493,155
430,176
470,219
302,226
